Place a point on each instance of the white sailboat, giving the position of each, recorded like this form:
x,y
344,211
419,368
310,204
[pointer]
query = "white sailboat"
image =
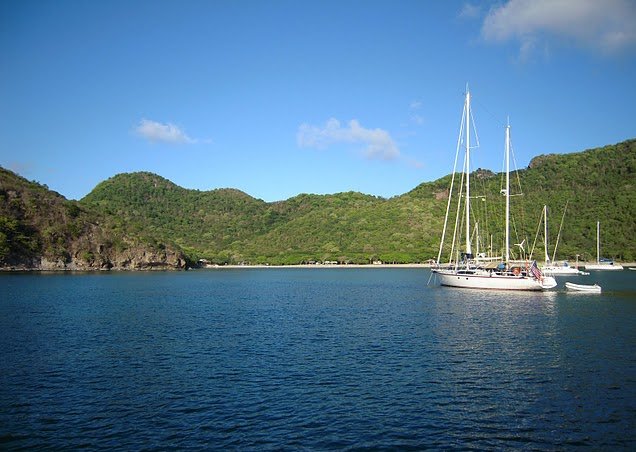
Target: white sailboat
x,y
470,273
602,263
562,268
551,267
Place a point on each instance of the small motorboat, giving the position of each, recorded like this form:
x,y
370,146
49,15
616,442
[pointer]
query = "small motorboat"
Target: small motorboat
x,y
595,288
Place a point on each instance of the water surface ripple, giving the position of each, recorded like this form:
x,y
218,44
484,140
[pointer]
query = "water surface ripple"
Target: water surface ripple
x,y
261,359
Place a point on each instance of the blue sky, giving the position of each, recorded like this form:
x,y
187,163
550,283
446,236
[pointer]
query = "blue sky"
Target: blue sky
x,y
278,98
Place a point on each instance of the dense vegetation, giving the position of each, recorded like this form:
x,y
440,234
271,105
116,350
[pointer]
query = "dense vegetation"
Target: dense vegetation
x,y
229,226
41,229
132,220
599,185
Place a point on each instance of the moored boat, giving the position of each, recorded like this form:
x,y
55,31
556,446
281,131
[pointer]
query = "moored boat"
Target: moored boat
x,y
602,263
560,269
470,272
512,278
594,288
550,266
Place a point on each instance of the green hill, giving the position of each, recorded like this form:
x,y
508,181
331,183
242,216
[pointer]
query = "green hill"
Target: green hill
x,y
202,223
142,220
229,226
600,185
40,229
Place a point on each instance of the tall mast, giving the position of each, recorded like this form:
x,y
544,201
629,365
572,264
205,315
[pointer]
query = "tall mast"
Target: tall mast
x,y
545,233
468,248
507,253
598,242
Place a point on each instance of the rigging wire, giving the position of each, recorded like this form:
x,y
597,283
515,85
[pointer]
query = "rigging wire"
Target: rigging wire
x,y
483,210
450,193
536,236
560,227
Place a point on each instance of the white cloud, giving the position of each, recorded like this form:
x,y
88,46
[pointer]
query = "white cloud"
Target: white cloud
x,y
608,26
167,133
379,144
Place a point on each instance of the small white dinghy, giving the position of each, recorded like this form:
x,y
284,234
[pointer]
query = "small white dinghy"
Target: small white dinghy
x,y
583,287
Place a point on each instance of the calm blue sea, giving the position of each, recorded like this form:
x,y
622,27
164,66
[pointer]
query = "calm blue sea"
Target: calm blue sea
x,y
313,359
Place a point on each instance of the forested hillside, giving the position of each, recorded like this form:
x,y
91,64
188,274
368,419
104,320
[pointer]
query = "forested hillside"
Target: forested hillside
x,y
600,185
142,220
40,229
229,226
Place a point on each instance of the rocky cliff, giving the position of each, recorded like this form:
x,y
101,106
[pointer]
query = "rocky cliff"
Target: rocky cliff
x,y
41,230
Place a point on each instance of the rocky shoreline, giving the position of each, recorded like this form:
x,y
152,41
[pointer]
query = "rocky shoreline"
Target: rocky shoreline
x,y
128,260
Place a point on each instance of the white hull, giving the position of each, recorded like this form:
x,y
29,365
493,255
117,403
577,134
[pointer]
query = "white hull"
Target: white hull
x,y
604,267
583,288
558,270
487,280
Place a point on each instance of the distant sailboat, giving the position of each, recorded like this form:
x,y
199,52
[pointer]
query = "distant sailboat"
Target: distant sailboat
x,y
602,263
470,272
551,267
